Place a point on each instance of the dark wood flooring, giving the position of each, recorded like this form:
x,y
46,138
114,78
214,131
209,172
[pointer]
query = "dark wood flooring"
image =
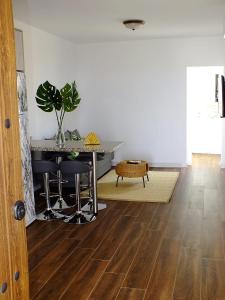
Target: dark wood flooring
x,y
139,250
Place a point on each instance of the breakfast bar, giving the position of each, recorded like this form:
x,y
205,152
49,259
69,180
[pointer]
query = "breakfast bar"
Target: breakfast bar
x,y
79,146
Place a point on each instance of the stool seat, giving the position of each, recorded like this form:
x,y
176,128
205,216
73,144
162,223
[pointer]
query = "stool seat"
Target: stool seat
x,y
74,167
44,166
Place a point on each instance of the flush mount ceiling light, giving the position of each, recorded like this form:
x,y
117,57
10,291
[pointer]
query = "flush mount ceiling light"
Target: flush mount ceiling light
x,y
133,24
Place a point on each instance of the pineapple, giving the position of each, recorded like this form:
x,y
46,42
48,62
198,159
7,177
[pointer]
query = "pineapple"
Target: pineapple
x,y
92,139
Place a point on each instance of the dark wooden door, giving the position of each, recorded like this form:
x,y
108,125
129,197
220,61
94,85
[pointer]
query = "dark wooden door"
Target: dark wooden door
x,y
13,249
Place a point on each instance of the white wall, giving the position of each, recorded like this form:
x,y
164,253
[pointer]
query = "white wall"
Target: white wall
x,y
131,91
136,92
47,57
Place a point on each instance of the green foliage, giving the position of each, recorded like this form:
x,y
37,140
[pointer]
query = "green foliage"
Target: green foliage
x,y
70,97
49,98
73,155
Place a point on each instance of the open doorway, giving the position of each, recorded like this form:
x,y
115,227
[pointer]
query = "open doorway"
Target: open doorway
x,y
204,125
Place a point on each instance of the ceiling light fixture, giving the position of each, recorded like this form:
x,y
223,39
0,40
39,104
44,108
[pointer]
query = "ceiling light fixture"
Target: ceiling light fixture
x,y
133,24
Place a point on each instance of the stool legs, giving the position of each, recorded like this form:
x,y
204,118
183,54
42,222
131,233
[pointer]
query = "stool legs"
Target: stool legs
x,y
79,217
48,214
90,184
143,181
59,175
46,188
88,208
60,203
77,189
117,180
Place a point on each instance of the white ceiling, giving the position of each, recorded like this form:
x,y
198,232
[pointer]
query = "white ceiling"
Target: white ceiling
x,y
84,21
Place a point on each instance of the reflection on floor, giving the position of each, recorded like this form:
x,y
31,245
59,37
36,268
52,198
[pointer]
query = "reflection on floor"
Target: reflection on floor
x,y
139,250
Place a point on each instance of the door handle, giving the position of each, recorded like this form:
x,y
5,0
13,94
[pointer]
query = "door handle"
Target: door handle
x,y
19,210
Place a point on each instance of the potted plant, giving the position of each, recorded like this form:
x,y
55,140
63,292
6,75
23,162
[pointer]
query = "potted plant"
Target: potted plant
x,y
49,98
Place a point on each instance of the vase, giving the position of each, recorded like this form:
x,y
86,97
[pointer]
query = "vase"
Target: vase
x,y
60,136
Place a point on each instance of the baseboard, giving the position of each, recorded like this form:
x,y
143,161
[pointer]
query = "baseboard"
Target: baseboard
x,y
168,165
159,165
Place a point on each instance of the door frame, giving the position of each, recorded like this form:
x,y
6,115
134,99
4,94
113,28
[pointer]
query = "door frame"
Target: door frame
x,y
13,246
189,114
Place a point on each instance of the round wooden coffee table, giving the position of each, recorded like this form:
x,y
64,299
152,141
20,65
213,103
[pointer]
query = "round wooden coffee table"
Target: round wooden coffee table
x,y
132,169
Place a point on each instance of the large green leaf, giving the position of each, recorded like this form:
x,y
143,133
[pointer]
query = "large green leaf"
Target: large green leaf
x,y
48,97
70,97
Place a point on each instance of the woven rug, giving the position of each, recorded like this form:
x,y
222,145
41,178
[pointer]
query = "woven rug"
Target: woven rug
x,y
159,188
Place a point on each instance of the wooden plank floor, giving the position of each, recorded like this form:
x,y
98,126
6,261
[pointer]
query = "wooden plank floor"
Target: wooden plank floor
x,y
139,251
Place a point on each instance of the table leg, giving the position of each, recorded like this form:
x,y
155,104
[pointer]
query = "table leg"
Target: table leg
x,y
95,204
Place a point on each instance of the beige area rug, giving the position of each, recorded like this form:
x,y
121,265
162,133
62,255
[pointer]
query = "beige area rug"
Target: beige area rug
x,y
159,188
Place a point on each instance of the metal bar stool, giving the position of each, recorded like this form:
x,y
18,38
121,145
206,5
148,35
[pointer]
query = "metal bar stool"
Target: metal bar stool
x,y
44,167
60,202
77,168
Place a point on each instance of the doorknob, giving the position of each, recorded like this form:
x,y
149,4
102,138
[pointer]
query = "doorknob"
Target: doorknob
x,y
19,210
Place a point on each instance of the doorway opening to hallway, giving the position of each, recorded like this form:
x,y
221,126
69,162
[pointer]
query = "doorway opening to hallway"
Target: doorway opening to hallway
x,y
204,125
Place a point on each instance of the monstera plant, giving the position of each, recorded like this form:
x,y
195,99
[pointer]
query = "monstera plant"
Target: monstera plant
x,y
49,99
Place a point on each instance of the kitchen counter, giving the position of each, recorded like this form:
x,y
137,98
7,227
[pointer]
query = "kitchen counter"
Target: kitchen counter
x,y
78,146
